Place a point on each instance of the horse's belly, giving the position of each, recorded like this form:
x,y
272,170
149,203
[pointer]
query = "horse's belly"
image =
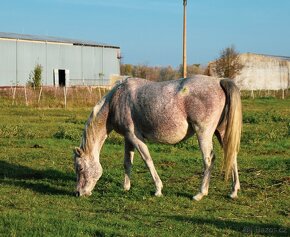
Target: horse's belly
x,y
168,133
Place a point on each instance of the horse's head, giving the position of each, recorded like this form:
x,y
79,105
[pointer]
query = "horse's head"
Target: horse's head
x,y
88,170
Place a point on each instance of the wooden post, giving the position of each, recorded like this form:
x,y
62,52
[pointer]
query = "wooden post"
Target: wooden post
x,y
64,92
25,93
13,96
100,94
39,96
252,94
90,92
184,40
12,90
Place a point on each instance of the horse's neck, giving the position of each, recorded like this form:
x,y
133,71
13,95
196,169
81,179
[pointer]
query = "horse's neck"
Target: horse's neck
x,y
95,131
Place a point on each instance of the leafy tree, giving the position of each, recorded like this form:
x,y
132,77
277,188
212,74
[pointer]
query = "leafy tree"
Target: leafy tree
x,y
35,76
228,64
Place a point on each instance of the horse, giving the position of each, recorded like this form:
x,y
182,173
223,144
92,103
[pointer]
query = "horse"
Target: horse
x,y
165,112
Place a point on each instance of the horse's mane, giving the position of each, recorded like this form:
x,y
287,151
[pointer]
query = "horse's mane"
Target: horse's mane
x,y
93,123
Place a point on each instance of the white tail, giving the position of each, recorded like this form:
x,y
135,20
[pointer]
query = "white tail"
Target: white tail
x,y
233,118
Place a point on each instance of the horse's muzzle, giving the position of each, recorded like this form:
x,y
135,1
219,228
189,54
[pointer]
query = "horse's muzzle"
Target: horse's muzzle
x,y
80,193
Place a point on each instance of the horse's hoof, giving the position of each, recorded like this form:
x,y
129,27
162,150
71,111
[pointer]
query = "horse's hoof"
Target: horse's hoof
x,y
158,194
198,197
127,188
233,196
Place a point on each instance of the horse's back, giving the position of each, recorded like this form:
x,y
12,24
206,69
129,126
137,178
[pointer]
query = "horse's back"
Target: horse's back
x,y
166,111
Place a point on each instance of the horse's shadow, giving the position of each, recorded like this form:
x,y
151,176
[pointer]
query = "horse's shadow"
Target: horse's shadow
x,y
48,181
245,228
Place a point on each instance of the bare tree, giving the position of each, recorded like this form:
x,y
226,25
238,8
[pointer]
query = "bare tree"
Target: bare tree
x,y
159,73
126,69
228,64
167,73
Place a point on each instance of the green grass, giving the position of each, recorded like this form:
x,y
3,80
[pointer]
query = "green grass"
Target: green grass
x,y
37,180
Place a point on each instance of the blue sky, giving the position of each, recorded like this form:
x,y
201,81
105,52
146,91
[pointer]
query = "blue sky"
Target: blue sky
x,y
150,31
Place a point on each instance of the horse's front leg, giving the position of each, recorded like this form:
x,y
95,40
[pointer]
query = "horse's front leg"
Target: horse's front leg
x,y
128,161
208,161
144,152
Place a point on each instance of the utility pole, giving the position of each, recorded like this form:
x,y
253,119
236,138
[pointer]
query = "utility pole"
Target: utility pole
x,y
184,40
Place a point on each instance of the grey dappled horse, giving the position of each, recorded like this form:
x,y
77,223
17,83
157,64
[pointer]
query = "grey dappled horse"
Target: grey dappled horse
x,y
164,112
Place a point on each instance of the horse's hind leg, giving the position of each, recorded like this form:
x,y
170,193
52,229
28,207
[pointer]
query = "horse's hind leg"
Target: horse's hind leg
x,y
235,178
144,152
206,146
128,161
235,175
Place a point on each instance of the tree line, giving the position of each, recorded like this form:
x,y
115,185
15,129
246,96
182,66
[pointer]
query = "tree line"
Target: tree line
x,y
158,73
227,66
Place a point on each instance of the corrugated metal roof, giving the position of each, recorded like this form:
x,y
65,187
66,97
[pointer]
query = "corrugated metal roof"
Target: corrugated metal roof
x,y
275,56
54,40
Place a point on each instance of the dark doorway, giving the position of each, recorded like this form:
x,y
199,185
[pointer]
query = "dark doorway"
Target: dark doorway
x,y
61,77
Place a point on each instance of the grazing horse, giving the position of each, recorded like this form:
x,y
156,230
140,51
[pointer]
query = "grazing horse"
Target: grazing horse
x,y
164,112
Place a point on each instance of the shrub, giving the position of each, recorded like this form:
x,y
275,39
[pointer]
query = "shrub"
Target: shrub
x,y
35,77
251,118
74,120
228,64
16,131
68,132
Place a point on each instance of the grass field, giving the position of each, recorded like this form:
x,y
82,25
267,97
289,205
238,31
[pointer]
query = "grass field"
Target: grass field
x,y
37,180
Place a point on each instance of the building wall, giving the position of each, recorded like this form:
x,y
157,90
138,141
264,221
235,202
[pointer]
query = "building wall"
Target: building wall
x,y
263,73
7,62
87,65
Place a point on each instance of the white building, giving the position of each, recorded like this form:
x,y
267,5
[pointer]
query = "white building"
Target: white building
x,y
263,72
64,61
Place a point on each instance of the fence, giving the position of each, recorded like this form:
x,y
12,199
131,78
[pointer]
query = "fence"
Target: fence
x,y
55,97
79,96
282,94
90,82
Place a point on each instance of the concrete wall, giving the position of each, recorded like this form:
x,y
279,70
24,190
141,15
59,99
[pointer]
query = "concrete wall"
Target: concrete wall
x,y
86,64
263,73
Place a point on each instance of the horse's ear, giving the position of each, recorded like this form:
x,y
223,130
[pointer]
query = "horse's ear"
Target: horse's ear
x,y
78,151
